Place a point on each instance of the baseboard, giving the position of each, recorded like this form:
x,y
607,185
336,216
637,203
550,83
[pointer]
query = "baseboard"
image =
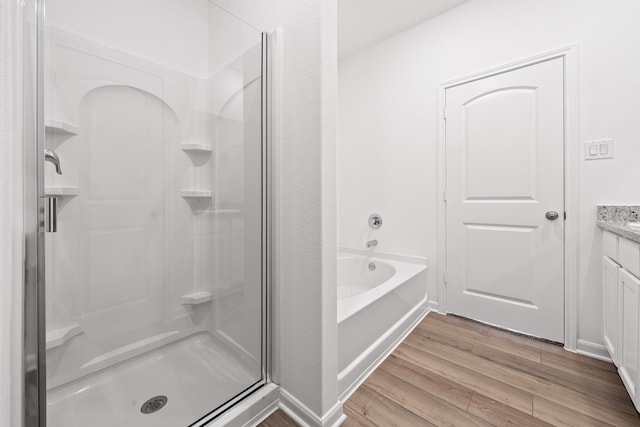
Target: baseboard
x,y
433,306
335,416
373,366
305,417
596,351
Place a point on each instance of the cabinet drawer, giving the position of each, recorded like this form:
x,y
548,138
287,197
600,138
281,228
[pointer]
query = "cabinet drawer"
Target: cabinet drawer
x,y
610,245
629,256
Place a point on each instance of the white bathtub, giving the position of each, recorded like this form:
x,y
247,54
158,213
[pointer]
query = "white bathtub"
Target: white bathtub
x,y
375,309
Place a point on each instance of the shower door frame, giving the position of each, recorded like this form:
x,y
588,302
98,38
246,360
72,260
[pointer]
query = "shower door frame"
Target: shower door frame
x,y
34,389
33,376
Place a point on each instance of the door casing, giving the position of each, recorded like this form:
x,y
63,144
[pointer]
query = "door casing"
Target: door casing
x,y
571,181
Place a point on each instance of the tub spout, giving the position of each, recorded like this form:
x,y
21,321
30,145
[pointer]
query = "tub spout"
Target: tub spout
x,y
372,243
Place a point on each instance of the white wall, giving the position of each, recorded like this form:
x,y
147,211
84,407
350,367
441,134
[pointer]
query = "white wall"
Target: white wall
x,y
305,265
10,211
388,119
170,33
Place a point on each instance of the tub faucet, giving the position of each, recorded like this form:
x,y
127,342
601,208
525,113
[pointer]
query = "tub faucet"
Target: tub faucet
x,y
372,243
51,156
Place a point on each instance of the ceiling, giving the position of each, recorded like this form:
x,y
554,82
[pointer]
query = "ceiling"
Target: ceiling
x,y
363,23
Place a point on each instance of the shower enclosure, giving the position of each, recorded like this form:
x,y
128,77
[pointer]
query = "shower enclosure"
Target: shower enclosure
x,y
146,280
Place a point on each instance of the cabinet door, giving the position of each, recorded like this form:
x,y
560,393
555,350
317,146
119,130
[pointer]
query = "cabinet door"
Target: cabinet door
x,y
611,307
629,286
610,245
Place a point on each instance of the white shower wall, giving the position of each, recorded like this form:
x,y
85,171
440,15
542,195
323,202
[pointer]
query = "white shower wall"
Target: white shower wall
x,y
388,120
135,108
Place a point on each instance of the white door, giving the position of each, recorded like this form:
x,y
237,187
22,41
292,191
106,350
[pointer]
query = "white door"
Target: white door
x,y
504,175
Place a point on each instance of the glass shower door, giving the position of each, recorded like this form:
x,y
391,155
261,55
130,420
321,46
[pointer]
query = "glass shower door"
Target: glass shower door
x,y
154,181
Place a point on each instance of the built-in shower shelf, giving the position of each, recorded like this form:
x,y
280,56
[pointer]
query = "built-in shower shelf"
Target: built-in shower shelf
x,y
196,193
196,298
58,337
61,128
193,147
61,191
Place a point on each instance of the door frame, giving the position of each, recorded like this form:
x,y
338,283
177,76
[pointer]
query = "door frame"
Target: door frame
x,y
571,180
33,376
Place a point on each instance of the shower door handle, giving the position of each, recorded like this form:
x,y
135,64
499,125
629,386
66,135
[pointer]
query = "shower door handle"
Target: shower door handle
x,y
51,215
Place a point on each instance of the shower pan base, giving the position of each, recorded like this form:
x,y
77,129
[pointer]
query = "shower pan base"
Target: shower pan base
x,y
196,375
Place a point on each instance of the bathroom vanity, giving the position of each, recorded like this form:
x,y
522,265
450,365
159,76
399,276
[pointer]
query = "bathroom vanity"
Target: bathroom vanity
x,y
621,291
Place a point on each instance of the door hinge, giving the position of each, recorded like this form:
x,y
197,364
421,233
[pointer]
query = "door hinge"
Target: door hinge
x,y
445,278
444,195
565,215
444,113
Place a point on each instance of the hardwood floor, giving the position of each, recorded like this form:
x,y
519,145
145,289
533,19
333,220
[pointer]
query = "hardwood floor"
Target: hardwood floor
x,y
454,371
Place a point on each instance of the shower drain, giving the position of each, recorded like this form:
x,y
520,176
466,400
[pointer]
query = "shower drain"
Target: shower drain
x,y
154,404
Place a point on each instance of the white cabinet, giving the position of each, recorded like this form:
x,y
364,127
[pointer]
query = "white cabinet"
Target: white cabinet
x,y
612,313
621,304
610,245
629,256
629,328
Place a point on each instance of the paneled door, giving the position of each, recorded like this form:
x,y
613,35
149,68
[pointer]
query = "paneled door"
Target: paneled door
x,y
505,199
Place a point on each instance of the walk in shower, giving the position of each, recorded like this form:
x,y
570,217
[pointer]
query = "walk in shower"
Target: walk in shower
x,y
151,180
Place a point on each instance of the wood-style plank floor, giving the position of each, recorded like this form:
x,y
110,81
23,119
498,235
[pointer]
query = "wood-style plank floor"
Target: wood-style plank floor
x,y
457,372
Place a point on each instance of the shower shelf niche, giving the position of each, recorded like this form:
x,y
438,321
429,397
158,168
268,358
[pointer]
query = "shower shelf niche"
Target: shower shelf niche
x,y
61,128
196,194
61,191
196,298
194,147
58,337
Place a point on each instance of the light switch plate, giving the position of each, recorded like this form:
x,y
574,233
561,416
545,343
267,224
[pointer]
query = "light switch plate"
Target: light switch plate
x,y
598,149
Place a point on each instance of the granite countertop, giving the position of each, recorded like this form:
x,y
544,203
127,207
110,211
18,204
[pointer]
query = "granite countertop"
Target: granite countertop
x,y
615,219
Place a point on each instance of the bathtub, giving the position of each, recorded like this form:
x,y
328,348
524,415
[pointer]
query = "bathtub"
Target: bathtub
x,y
380,299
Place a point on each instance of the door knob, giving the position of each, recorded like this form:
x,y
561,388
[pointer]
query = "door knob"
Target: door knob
x,y
552,215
